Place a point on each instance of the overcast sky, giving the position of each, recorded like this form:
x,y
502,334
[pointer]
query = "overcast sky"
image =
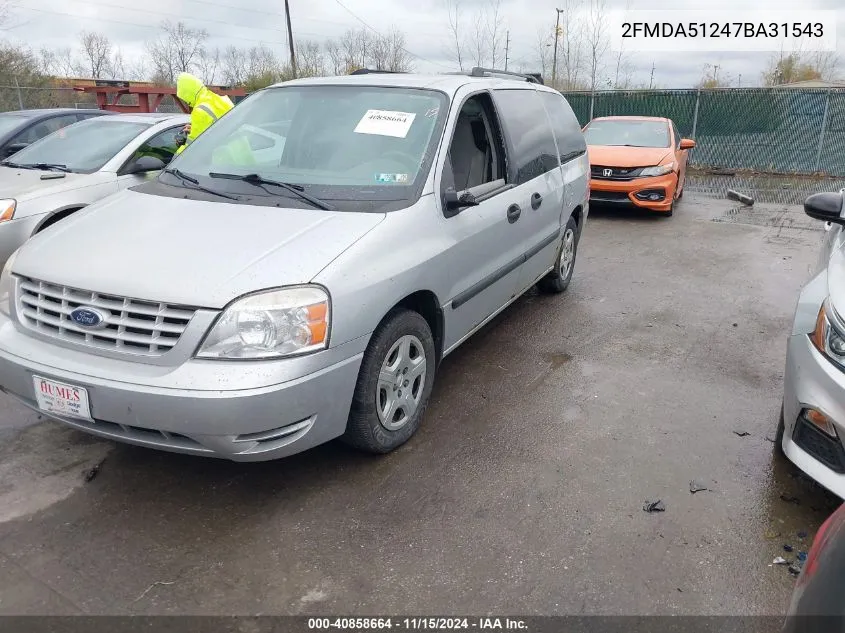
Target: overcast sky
x,y
56,23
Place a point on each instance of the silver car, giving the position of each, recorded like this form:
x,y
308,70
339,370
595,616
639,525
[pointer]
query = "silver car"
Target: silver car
x,y
299,272
78,165
812,424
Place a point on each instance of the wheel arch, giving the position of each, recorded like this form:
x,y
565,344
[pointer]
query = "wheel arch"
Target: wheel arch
x,y
56,215
425,303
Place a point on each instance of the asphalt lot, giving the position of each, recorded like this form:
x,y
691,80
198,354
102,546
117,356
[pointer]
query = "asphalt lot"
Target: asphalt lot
x,y
523,491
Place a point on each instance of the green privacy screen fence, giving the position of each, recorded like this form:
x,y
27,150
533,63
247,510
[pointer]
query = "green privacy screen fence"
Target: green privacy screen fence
x,y
763,129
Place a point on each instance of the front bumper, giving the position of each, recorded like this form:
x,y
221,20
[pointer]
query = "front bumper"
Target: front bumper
x,y
812,381
625,191
242,411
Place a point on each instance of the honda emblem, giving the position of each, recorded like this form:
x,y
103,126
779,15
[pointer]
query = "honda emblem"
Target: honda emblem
x,y
607,173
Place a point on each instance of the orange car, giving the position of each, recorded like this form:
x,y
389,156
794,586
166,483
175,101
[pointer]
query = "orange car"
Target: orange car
x,y
637,160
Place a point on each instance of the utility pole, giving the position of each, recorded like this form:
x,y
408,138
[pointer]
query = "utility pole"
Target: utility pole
x,y
507,47
651,81
290,40
554,57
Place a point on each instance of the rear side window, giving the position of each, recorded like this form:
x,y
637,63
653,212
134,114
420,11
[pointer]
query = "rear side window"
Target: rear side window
x,y
570,139
532,142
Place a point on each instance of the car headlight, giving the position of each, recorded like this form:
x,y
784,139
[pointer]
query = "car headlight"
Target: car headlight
x,y
271,324
7,209
658,170
6,283
829,335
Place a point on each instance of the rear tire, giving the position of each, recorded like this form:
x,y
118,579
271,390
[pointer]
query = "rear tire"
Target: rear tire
x,y
558,280
394,384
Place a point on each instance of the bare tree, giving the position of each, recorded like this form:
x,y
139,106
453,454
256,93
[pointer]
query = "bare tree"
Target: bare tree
x,y
494,29
96,52
234,65
117,66
208,62
310,61
622,76
479,41
456,46
178,49
570,58
544,51
58,62
337,62
399,59
597,40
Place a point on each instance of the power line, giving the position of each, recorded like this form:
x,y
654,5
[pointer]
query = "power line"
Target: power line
x,y
176,16
281,14
374,30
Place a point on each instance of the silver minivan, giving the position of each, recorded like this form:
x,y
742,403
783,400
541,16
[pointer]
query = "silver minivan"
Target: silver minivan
x,y
299,272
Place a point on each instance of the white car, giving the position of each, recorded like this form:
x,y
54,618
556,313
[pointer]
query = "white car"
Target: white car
x,y
812,424
78,165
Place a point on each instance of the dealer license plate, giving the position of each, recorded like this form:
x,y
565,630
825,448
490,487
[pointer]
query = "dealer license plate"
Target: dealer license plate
x,y
61,399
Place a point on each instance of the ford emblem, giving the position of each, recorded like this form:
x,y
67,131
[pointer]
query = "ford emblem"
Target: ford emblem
x,y
88,317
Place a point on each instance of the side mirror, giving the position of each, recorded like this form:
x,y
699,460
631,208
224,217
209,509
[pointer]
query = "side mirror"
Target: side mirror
x,y
144,164
825,206
454,201
687,143
14,148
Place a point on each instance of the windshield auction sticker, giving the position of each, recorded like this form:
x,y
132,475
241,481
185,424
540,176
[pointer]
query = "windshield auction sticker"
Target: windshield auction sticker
x,y
386,123
717,31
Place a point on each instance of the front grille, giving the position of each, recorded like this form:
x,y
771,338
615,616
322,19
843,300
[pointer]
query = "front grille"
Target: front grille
x,y
609,196
616,173
131,325
826,449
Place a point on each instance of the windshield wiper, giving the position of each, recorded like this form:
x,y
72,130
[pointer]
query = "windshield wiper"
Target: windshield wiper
x,y
41,166
260,181
195,184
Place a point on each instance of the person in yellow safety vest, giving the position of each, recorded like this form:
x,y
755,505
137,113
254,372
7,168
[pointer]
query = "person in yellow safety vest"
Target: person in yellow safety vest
x,y
206,106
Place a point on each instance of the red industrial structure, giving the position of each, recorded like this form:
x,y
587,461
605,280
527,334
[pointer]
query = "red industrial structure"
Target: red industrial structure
x,y
148,96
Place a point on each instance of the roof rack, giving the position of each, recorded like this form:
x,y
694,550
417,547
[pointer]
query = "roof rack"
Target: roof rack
x,y
536,78
372,71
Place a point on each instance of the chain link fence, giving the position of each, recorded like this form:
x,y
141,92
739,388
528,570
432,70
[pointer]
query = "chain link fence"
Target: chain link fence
x,y
773,130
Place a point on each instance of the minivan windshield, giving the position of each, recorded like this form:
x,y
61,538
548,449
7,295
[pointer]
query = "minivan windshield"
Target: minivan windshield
x,y
83,147
348,143
630,132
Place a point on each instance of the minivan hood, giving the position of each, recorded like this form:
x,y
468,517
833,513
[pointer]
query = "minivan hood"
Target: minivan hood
x,y
616,156
27,183
189,252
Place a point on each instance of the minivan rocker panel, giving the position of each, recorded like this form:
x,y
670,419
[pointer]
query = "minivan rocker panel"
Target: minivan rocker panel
x,y
173,250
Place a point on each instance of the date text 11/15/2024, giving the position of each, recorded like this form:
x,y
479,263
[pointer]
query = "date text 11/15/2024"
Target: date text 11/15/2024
x,y
417,624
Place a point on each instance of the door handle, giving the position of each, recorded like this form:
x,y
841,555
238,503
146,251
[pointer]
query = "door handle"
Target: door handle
x,y
536,201
513,213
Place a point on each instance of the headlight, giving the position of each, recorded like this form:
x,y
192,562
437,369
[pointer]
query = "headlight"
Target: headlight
x,y
659,170
271,324
829,335
7,210
6,283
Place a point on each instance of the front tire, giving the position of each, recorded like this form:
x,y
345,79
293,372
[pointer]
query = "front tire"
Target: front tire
x,y
394,384
558,280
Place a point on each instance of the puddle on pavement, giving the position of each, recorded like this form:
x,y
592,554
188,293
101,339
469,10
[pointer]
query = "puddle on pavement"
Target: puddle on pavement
x,y
764,188
783,218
